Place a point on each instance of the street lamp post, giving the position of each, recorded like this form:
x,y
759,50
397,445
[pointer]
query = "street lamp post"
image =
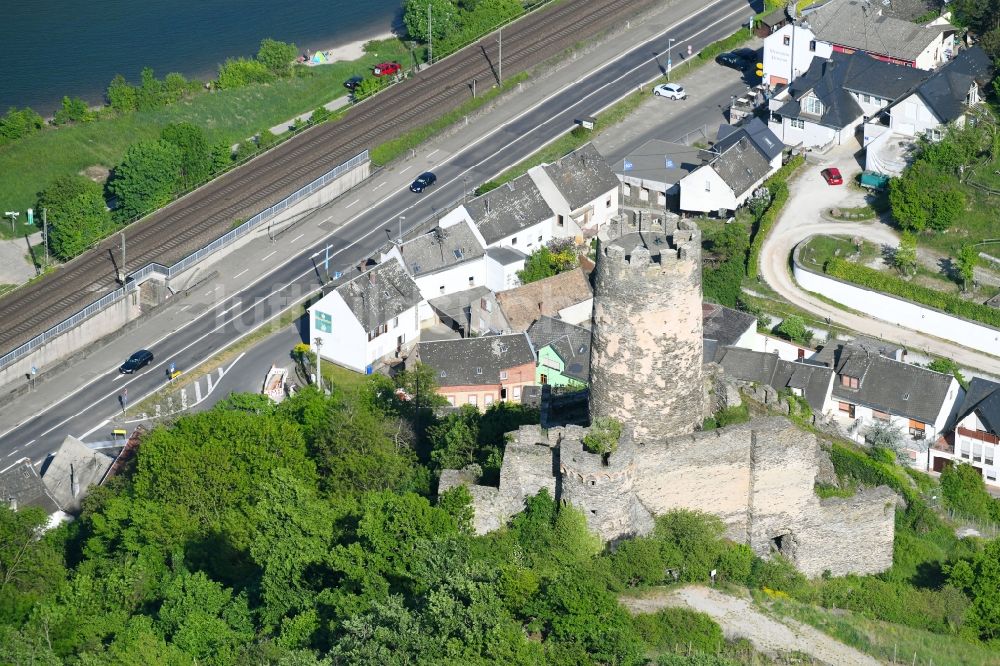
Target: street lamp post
x,y
670,42
400,238
319,372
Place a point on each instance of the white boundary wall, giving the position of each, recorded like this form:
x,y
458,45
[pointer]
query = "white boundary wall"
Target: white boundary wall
x,y
898,311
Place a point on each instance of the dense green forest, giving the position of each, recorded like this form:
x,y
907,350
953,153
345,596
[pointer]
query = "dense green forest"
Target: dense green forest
x,y
309,533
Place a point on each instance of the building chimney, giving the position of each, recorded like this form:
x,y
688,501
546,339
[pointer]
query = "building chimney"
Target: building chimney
x,y
74,482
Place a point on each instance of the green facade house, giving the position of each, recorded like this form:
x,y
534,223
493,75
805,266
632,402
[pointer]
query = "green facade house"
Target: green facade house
x,y
563,353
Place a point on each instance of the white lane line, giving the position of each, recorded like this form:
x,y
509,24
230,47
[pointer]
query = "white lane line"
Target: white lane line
x,y
10,454
209,292
117,377
97,427
197,391
347,206
406,169
379,186
433,153
484,137
185,307
296,238
269,256
241,273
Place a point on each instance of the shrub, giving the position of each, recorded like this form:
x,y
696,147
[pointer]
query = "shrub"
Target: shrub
x,y
16,124
724,283
736,564
730,42
73,110
793,328
963,490
548,260
670,628
778,186
603,436
878,281
638,561
939,611
777,573
122,97
241,72
277,56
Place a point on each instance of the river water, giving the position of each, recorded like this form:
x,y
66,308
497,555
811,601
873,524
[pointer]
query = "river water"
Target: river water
x,y
74,47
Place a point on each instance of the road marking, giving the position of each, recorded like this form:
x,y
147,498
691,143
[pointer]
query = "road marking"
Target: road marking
x,y
185,307
347,206
484,137
402,171
209,292
117,377
197,391
296,238
433,153
10,454
269,256
380,185
241,273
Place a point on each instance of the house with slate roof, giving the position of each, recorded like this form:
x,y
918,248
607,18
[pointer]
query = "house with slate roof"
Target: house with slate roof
x,y
444,261
563,353
725,327
21,486
831,99
473,311
74,468
871,387
737,164
976,437
479,371
368,318
651,175
809,381
941,99
582,191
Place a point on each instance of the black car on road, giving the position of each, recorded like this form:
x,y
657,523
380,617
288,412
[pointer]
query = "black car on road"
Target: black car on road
x,y
423,181
136,362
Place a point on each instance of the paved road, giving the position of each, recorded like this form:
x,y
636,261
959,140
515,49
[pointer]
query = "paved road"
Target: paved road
x,y
85,410
801,219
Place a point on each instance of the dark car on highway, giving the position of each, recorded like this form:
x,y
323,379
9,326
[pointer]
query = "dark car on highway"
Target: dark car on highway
x,y
423,181
353,82
734,60
136,362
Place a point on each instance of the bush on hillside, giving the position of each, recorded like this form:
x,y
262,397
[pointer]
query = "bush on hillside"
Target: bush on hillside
x,y
670,628
18,123
777,185
241,72
963,490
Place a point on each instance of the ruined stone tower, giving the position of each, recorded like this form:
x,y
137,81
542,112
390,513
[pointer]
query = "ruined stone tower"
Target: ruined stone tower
x,y
646,354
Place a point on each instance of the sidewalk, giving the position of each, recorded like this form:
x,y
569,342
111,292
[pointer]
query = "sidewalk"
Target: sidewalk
x,y
225,274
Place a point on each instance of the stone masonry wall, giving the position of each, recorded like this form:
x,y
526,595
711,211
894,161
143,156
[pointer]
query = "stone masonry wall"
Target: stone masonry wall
x,y
646,352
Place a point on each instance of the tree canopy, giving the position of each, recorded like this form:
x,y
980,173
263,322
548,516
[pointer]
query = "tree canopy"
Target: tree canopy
x,y
146,179
77,215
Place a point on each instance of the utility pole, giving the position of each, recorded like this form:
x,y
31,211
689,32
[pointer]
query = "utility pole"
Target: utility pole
x,y
670,42
122,271
430,36
400,239
500,56
319,373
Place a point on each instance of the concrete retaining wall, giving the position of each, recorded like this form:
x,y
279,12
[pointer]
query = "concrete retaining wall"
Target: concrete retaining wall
x,y
898,311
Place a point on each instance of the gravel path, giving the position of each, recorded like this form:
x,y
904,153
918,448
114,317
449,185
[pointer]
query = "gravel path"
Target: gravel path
x,y
740,619
14,267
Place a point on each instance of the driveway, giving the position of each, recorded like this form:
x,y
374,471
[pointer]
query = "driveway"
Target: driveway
x,y
740,619
801,218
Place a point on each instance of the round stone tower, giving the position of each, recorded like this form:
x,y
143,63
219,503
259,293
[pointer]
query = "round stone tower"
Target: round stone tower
x,y
646,353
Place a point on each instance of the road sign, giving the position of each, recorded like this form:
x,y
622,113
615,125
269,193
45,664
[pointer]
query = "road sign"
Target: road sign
x,y
173,367
324,322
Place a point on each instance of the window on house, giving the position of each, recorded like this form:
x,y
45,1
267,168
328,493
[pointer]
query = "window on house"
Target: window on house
x,y
626,189
797,123
661,199
472,280
479,371
812,44
513,241
812,105
539,239
608,203
849,382
517,393
544,379
489,398
451,400
441,288
473,400
847,408
880,416
708,186
867,99
503,374
560,222
934,134
787,40
395,322
916,429
643,194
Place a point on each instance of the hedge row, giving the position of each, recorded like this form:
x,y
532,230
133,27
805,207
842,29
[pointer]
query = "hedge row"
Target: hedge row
x,y
863,468
778,187
730,42
890,284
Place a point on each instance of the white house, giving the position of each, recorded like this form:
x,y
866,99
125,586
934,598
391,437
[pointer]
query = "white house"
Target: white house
x,y
368,318
976,438
502,267
582,191
826,104
651,175
871,387
514,215
443,261
737,164
789,51
944,98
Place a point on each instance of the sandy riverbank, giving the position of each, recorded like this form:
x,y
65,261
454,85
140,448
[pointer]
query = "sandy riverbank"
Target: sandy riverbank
x,y
351,51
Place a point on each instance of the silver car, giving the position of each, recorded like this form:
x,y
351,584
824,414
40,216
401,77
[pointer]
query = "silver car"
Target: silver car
x,y
670,90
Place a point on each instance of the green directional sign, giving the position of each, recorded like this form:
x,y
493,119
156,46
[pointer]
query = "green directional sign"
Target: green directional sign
x,y
324,322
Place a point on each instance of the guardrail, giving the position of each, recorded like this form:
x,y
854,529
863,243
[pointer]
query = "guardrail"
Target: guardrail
x,y
133,280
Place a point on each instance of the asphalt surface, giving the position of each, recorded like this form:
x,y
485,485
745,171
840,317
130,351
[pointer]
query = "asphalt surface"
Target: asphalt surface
x,y
85,412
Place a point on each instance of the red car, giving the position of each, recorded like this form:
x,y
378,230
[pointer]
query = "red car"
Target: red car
x,y
387,69
832,176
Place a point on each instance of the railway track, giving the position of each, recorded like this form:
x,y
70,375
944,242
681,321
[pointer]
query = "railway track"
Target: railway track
x,y
172,233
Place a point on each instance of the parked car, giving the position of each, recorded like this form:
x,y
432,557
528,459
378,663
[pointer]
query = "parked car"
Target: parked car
x,y
136,362
671,90
733,60
353,82
832,176
423,181
387,69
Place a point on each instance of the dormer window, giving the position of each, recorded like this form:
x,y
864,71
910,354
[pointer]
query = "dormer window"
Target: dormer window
x,y
849,382
811,104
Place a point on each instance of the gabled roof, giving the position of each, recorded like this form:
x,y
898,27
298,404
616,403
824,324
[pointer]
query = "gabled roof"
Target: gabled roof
x,y
570,342
831,81
660,162
475,361
440,249
763,139
741,165
513,206
861,25
891,386
983,398
454,304
767,368
946,91
384,292
724,325
20,486
72,471
582,176
524,304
